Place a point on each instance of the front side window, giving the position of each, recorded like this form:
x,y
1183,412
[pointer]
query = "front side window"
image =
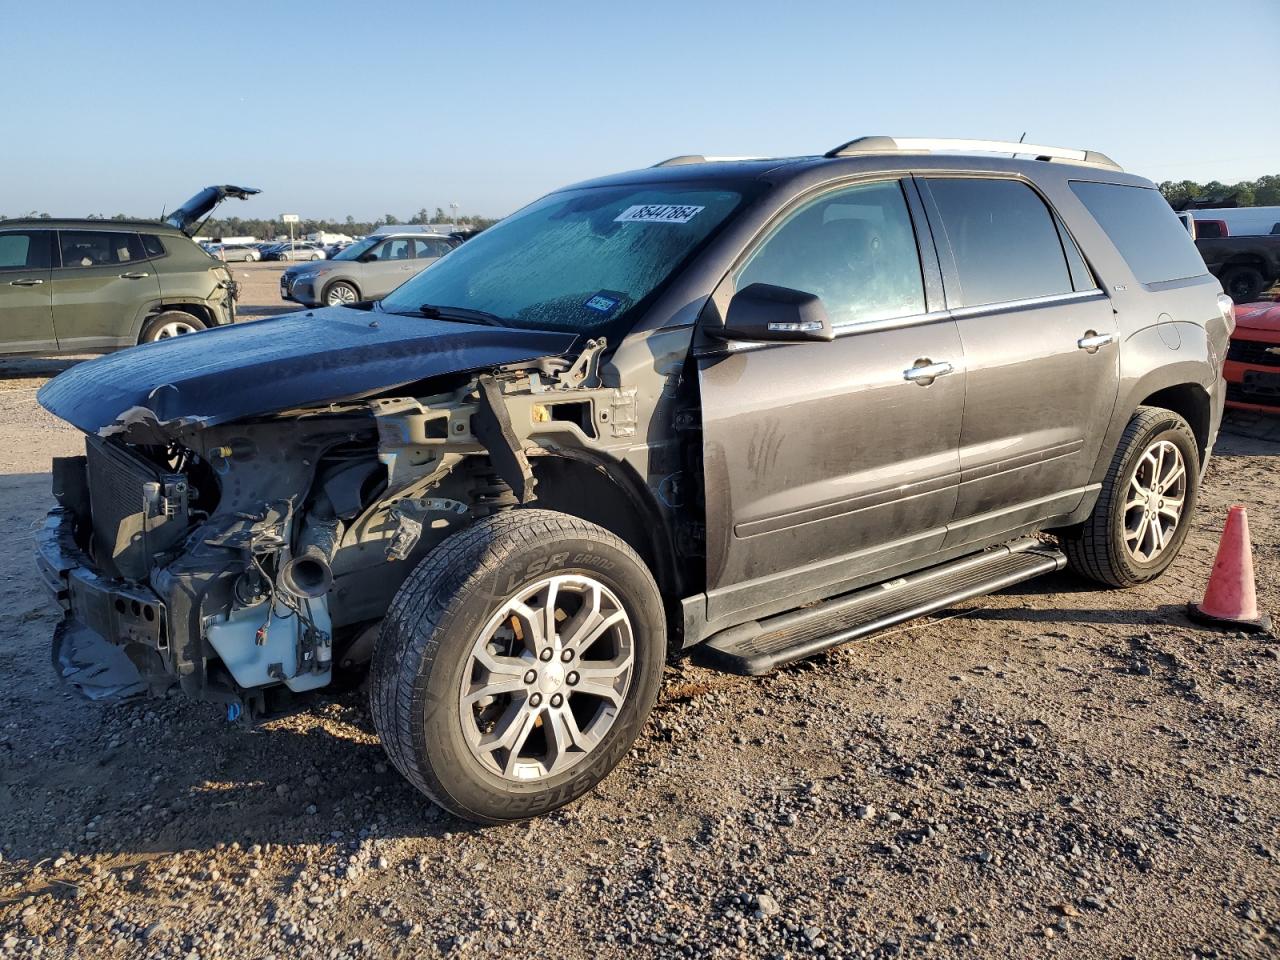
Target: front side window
x,y
394,250
24,249
1004,241
92,248
854,248
581,260
1144,229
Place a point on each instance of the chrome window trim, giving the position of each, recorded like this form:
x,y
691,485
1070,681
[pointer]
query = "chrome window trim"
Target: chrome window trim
x,y
1006,306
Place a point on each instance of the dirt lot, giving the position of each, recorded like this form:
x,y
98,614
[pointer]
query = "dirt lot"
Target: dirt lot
x,y
1052,771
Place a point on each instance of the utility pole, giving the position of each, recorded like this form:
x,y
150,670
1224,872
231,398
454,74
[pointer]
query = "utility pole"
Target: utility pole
x,y
454,207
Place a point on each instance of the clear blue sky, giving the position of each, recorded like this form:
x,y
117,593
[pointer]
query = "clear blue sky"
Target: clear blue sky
x,y
373,108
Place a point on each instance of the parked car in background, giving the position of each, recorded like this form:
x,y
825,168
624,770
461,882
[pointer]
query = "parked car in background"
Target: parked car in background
x,y
333,249
1240,221
1253,360
367,270
295,250
79,286
755,409
235,252
1247,266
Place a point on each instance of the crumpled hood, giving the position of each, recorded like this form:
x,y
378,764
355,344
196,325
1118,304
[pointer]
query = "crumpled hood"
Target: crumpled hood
x,y
1258,316
294,360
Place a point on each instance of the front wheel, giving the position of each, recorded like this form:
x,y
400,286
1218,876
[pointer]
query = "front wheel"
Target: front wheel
x,y
1144,510
340,294
517,664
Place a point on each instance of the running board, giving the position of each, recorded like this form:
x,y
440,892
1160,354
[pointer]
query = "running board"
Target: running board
x,y
758,647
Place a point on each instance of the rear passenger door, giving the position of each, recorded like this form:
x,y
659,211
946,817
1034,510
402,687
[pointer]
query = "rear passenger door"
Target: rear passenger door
x,y
1040,353
826,463
26,314
102,284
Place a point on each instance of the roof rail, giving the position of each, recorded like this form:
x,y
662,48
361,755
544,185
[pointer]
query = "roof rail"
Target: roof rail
x,y
871,145
698,158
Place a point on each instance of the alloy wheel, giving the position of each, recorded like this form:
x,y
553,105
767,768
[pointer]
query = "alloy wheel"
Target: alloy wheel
x,y
546,678
1154,501
174,328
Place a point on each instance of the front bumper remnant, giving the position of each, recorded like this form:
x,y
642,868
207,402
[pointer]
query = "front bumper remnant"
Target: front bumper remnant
x,y
110,643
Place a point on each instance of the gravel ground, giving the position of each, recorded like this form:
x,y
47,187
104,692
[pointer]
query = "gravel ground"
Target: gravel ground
x,y
1051,771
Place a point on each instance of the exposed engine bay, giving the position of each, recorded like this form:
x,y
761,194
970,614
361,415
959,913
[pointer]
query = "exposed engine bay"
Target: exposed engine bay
x,y
244,559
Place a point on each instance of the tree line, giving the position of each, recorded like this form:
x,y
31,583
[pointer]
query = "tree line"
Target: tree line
x,y
1263,192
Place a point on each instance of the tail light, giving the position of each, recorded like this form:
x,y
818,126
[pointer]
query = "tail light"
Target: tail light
x,y
1228,310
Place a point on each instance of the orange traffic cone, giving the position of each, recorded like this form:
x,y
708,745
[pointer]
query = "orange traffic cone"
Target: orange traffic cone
x,y
1230,600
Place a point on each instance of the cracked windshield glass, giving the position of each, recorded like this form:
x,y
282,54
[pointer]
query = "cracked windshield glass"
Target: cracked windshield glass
x,y
580,260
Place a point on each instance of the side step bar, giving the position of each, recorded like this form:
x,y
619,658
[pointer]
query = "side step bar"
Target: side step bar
x,y
758,647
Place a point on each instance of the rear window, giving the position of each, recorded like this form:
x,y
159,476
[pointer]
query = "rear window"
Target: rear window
x,y
1144,229
1004,240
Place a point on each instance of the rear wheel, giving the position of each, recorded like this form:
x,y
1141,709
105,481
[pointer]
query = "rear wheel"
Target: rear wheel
x,y
340,293
169,324
1243,284
517,664
1144,510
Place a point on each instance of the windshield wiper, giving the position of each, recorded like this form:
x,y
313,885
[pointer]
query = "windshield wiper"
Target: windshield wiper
x,y
434,311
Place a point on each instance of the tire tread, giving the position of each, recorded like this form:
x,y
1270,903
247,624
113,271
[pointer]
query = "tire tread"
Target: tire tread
x,y
410,631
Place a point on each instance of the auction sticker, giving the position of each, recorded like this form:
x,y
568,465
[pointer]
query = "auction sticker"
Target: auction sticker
x,y
658,213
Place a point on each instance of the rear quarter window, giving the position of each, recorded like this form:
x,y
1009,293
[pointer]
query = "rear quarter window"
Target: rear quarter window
x,y
1144,229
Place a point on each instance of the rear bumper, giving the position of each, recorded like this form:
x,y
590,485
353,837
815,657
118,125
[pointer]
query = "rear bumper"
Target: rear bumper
x,y
113,639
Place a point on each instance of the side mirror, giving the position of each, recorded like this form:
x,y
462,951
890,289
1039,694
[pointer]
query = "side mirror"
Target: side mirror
x,y
368,257
764,312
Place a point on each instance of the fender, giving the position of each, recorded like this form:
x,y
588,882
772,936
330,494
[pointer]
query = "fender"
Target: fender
x,y
1155,358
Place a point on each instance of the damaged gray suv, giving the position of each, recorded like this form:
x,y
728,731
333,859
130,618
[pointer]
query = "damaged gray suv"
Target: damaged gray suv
x,y
748,409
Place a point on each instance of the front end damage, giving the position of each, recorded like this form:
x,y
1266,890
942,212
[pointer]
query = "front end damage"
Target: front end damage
x,y
248,560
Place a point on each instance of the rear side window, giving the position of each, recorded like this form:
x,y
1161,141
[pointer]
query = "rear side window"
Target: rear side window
x,y
93,248
1144,229
1004,240
424,249
1208,229
152,246
24,249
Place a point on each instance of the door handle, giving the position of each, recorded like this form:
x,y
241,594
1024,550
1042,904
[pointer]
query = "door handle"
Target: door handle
x,y
133,276
926,371
26,282
1092,340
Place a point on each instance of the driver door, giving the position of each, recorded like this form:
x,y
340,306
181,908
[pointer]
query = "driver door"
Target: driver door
x,y
392,265
826,463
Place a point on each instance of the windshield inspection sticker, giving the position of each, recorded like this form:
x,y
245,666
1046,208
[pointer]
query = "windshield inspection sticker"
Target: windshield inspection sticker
x,y
658,213
602,303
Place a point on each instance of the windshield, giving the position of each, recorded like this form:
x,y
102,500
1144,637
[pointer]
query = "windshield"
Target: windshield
x,y
578,261
353,252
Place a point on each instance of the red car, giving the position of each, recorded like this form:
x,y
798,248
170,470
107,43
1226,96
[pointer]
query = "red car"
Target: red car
x,y
1253,361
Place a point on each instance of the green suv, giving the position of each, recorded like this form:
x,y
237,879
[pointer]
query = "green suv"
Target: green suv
x,y
87,286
